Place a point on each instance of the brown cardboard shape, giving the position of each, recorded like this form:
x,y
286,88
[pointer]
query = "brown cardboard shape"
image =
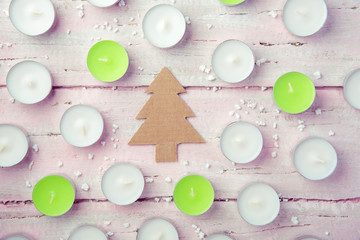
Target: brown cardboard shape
x,y
165,113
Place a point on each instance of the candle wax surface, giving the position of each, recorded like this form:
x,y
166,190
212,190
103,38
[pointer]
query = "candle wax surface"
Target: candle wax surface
x,y
352,88
102,3
258,204
14,145
241,142
233,61
294,92
16,237
164,26
194,195
218,237
157,229
88,233
304,17
81,125
232,2
32,17
315,158
53,195
29,82
122,184
107,61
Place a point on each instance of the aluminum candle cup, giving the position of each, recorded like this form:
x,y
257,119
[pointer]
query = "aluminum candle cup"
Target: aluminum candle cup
x,y
103,3
233,61
241,142
122,184
315,158
32,17
157,229
14,145
29,82
352,88
194,195
16,237
164,26
304,17
53,195
81,125
258,204
232,2
88,232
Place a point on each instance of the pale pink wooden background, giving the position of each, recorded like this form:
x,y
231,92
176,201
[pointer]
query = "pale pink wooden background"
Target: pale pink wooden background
x,y
332,205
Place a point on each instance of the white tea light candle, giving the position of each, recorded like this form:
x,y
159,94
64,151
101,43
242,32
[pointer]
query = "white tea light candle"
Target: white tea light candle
x,y
233,61
16,237
315,158
164,26
122,184
89,233
81,125
103,3
29,82
32,17
157,229
304,17
241,142
352,88
14,145
218,237
258,204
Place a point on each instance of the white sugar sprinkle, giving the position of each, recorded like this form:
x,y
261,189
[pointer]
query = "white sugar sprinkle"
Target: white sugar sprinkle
x,y
231,113
208,165
237,115
276,144
68,32
327,233
242,101
116,30
114,88
157,199
107,222
31,164
273,14
318,111
126,225
209,26
276,137
186,163
260,61
168,179
78,173
110,234
331,133
149,180
261,109
202,68
12,100
115,145
317,75
134,33
274,154
35,147
274,125
294,220
207,70
140,68
28,184
260,123
116,20
60,164
167,199
187,20
90,156
131,19
85,187
211,78
96,26
103,143
106,158
237,106
264,89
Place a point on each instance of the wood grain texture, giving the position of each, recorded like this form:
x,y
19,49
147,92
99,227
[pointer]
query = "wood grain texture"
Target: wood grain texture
x,y
331,205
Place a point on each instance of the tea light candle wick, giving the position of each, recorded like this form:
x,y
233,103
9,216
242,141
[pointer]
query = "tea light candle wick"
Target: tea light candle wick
x,y
192,192
291,90
37,12
159,236
83,130
255,202
163,25
125,182
239,141
52,198
103,60
319,160
2,147
302,13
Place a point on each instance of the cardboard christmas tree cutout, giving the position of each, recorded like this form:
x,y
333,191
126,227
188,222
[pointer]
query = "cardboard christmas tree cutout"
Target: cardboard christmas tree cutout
x,y
165,113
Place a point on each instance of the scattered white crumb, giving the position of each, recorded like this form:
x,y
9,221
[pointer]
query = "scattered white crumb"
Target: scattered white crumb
x,y
276,137
301,127
134,33
9,44
113,159
237,106
46,57
28,184
115,145
231,113
273,14
168,179
209,26
207,70
201,235
277,111
116,20
157,199
103,143
211,78
85,187
31,164
327,233
116,30
274,154
274,125
78,173
121,3
114,88
173,1
140,68
251,105
264,89
90,156
96,26
81,6
318,111
12,100
186,163
68,32
261,109
131,19
246,112
35,147
115,126
237,115
98,38
242,101
100,169
279,194
110,234
260,123
106,158
6,12
112,139
107,222
260,61
187,20
126,225
81,14
226,200
215,89
317,75
149,180
60,164
276,144
129,43
331,133
285,200
208,165
167,199
202,68
221,171
116,140
294,220
194,226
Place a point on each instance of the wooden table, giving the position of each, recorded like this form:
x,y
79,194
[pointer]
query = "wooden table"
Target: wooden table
x,y
332,205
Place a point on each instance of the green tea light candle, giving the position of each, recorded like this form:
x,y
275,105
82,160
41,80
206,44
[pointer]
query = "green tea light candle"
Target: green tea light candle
x,y
294,92
107,61
232,2
53,195
193,195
